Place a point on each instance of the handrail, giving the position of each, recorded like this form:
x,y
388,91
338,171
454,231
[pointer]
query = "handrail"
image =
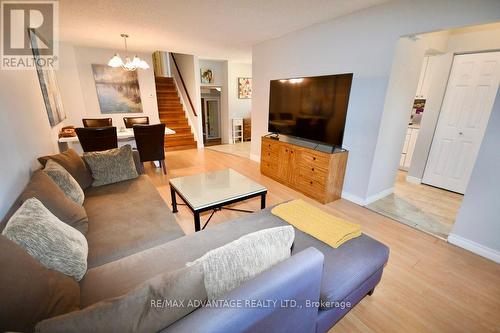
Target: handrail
x,y
184,85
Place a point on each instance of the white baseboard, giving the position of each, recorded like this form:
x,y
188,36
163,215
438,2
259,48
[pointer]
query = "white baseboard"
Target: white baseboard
x,y
353,198
414,180
378,196
363,202
255,157
477,248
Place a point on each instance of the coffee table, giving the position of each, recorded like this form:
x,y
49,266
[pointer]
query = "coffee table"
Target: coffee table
x,y
213,191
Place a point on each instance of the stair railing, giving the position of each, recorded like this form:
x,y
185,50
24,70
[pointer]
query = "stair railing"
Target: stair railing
x,y
184,85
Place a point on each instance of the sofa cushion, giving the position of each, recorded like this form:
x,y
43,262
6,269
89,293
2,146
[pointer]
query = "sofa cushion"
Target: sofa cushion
x,y
65,181
111,166
53,243
42,187
29,291
125,218
345,267
145,309
74,164
228,266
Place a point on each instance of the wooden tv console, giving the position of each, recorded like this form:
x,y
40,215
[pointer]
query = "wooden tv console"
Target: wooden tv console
x,y
313,169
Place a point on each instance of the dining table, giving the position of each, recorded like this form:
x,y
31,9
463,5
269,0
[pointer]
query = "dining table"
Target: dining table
x,y
125,136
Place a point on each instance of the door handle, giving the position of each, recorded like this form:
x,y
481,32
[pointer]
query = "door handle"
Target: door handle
x,y
460,133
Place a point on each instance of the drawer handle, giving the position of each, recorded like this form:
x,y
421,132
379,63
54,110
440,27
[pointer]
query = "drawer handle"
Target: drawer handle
x,y
311,182
286,150
312,169
291,151
268,154
314,158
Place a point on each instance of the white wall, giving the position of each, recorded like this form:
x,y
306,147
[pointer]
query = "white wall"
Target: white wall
x,y
190,70
477,227
217,70
80,90
362,43
25,132
477,39
238,108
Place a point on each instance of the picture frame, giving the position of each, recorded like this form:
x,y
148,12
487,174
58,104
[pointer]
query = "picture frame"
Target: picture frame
x,y
48,84
117,89
244,87
206,75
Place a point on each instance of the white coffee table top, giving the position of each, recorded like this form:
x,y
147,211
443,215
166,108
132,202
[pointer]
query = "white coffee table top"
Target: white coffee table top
x,y
212,188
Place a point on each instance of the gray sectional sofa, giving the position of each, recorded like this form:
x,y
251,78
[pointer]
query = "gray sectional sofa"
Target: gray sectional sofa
x,y
132,236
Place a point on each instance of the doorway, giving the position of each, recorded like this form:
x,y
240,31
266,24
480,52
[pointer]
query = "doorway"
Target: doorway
x,y
451,108
211,115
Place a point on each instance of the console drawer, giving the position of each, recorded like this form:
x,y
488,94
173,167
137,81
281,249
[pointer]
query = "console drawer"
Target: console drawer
x,y
314,173
309,158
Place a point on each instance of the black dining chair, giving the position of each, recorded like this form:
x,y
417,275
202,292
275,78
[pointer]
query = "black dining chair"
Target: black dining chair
x,y
150,141
131,121
97,138
97,122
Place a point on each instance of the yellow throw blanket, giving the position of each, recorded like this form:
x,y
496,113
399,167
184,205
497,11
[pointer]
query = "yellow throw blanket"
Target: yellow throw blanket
x,y
315,222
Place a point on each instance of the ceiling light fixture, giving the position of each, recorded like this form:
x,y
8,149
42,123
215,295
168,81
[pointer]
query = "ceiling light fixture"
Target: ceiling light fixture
x,y
129,65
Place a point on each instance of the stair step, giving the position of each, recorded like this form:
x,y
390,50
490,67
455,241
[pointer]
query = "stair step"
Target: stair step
x,y
172,107
164,79
172,114
179,142
184,147
179,113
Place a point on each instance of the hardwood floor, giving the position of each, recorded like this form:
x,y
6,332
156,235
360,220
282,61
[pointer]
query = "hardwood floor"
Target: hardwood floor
x,y
427,286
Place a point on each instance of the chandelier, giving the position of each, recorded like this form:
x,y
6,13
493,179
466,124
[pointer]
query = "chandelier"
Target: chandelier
x,y
129,65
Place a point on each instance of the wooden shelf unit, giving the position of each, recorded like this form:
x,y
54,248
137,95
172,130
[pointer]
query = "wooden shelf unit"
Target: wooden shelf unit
x,y
317,174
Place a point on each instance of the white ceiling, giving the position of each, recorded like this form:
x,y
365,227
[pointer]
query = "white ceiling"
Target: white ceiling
x,y
216,29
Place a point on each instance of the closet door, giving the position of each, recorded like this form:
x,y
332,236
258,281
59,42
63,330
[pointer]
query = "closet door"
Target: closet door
x,y
466,108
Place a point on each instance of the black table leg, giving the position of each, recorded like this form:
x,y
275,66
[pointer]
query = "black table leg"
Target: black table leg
x,y
197,226
174,200
263,201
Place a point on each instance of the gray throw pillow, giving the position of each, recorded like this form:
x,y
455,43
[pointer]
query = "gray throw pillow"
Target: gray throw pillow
x,y
226,267
65,181
145,309
73,163
53,243
111,166
42,187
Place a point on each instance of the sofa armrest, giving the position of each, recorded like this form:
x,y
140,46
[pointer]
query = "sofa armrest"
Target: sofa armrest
x,y
137,161
297,279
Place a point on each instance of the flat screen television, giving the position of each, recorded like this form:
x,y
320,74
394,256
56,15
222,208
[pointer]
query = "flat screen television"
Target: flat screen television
x,y
312,108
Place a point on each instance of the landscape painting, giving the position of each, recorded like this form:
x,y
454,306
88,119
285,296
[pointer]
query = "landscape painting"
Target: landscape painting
x,y
117,89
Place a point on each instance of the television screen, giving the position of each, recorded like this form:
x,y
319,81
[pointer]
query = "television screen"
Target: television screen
x,y
312,108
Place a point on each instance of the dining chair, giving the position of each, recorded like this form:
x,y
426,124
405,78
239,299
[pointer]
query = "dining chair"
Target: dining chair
x,y
97,122
131,121
150,141
97,138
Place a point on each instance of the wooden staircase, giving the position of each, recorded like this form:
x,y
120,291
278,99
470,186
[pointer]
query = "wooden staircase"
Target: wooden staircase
x,y
172,114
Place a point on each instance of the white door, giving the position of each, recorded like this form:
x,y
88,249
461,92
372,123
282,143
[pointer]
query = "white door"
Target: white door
x,y
466,108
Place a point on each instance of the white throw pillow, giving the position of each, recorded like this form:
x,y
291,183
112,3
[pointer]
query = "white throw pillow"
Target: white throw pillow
x,y
65,180
52,242
226,267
